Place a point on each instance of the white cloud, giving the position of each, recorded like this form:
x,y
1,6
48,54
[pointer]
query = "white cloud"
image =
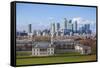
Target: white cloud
x,y
81,20
51,19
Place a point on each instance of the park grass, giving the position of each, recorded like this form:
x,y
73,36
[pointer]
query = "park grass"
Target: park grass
x,y
25,54
54,59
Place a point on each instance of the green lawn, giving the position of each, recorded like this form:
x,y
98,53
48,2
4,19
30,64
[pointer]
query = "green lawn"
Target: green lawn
x,y
54,59
23,53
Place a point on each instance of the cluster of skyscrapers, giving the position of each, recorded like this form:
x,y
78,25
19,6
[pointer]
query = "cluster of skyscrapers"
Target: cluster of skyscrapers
x,y
69,28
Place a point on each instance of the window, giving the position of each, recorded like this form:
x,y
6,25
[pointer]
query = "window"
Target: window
x,y
52,49
43,49
34,53
51,52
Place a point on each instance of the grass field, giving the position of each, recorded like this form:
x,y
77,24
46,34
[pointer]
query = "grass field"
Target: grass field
x,y
26,60
27,54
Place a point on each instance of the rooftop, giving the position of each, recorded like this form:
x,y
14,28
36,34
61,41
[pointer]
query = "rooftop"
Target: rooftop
x,y
42,45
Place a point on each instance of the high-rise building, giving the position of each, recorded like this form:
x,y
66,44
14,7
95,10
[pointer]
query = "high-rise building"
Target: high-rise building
x,y
52,27
87,26
72,28
57,26
70,21
65,23
82,29
52,32
75,26
30,28
69,25
57,29
85,29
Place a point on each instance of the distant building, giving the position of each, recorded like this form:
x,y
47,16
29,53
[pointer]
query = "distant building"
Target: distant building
x,y
52,31
87,26
85,29
21,33
52,27
57,27
75,26
38,33
30,34
34,32
30,28
46,32
17,33
65,23
69,25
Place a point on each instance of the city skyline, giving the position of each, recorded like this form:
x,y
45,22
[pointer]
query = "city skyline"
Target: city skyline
x,y
43,15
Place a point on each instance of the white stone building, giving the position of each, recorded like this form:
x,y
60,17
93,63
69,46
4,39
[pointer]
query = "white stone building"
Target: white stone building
x,y
42,49
82,49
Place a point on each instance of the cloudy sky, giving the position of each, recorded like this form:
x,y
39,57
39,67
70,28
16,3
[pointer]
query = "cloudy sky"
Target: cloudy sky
x,y
40,16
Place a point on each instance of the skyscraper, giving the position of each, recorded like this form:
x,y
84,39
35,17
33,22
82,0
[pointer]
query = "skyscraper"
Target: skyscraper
x,y
52,27
52,32
65,23
85,29
69,25
30,28
57,29
75,26
57,26
87,26
70,21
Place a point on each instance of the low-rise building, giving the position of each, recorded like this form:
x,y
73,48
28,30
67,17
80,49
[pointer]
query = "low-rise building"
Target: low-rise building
x,y
83,49
42,49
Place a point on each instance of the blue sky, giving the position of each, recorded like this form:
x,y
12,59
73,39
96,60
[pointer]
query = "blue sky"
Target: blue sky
x,y
40,16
